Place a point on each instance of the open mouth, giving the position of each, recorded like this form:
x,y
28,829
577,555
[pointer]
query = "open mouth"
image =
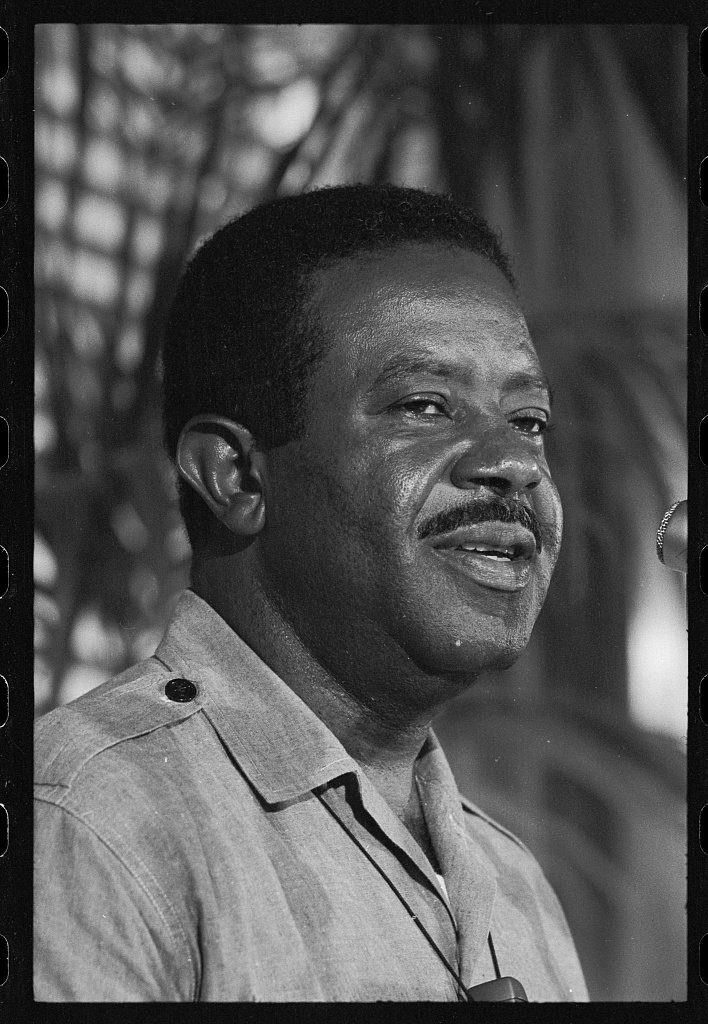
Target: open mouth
x,y
481,549
494,554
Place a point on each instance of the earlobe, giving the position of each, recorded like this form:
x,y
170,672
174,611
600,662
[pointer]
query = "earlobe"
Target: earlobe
x,y
216,457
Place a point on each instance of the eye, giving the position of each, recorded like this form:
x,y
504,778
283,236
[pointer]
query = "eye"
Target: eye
x,y
423,406
531,423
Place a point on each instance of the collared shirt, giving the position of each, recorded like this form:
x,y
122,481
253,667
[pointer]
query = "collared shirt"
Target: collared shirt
x,y
228,848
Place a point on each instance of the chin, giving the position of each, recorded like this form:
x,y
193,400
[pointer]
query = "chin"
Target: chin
x,y
465,658
504,659
455,639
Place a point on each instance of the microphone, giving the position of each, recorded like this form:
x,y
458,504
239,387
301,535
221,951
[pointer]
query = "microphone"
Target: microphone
x,y
672,538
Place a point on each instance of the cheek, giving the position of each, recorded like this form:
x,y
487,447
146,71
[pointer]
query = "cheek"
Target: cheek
x,y
553,514
546,503
345,512
549,511
382,501
365,508
319,509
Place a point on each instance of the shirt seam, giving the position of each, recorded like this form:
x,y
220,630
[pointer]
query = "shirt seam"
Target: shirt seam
x,y
476,813
113,847
81,758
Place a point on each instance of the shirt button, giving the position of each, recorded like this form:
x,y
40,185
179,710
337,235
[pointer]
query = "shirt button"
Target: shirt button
x,y
181,690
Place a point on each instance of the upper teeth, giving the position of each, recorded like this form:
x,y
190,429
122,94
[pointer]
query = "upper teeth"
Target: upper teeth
x,y
485,549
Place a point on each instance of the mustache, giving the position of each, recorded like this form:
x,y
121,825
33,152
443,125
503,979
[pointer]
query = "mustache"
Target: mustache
x,y
503,510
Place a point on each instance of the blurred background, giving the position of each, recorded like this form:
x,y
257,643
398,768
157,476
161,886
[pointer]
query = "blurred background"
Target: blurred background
x,y
571,140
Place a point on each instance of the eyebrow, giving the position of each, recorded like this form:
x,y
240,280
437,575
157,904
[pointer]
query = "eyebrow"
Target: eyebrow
x,y
407,366
528,379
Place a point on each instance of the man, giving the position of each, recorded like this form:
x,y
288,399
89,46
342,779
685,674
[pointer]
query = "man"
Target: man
x,y
260,811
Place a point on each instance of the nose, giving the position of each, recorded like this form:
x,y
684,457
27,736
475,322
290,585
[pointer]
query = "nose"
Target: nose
x,y
505,466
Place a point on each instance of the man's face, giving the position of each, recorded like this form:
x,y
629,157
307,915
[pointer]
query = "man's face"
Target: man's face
x,y
384,542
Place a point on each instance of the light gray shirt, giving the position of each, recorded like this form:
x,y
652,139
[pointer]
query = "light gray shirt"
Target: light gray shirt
x,y
228,848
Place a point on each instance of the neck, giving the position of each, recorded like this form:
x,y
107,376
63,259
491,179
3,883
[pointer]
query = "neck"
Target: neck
x,y
383,738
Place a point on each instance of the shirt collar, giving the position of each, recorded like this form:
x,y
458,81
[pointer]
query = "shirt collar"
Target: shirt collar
x,y
470,876
279,743
286,751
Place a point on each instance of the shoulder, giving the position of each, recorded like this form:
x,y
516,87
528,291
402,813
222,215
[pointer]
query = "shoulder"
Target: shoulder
x,y
514,864
111,918
518,872
529,920
129,706
123,763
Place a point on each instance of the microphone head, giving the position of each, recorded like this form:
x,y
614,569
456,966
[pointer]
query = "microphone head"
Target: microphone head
x,y
672,538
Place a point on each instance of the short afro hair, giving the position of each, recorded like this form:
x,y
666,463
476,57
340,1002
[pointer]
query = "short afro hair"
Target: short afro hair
x,y
242,338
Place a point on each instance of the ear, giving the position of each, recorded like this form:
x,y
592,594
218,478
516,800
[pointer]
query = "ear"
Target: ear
x,y
219,459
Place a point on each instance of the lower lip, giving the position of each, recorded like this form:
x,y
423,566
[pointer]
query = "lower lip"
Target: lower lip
x,y
497,574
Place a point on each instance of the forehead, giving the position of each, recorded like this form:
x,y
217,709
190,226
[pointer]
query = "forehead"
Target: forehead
x,y
379,305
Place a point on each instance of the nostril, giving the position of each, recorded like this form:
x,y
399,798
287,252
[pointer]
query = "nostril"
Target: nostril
x,y
495,483
501,485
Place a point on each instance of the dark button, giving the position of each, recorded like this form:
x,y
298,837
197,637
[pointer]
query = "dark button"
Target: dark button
x,y
181,690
